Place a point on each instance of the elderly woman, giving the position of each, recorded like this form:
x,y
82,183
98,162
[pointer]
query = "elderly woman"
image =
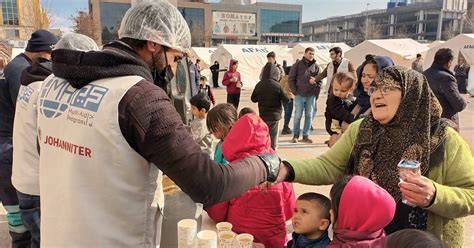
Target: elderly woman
x,y
405,123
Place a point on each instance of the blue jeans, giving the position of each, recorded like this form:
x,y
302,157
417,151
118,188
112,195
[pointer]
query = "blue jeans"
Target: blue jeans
x,y
30,213
303,104
288,111
315,110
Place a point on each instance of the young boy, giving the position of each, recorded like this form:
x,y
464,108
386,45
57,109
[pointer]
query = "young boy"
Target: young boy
x,y
200,105
204,88
338,104
311,221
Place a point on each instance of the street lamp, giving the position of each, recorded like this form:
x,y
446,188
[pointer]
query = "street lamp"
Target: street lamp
x,y
366,20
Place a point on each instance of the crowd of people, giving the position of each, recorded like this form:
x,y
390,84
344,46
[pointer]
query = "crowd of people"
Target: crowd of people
x,y
86,135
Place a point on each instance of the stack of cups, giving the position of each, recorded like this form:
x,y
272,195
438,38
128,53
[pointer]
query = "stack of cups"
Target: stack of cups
x,y
245,240
187,230
225,235
207,239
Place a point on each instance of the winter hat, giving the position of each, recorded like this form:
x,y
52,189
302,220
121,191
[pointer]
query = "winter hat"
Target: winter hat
x,y
41,41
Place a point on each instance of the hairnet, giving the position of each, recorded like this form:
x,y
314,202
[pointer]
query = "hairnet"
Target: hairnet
x,y
78,42
157,21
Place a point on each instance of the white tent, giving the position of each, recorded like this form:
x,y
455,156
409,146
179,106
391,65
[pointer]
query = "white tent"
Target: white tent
x,y
402,51
435,43
461,44
321,51
203,54
251,59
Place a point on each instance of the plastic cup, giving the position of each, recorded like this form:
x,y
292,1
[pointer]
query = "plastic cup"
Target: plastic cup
x,y
207,239
245,240
226,239
223,226
187,229
404,168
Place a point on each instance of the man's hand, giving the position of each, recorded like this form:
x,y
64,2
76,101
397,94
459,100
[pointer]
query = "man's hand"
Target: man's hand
x,y
312,80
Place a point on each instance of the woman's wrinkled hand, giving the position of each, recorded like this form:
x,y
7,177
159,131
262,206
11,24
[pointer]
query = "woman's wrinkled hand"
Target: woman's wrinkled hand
x,y
418,190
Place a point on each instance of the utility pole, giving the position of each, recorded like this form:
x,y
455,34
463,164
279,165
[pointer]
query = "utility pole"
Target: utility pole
x,y
366,21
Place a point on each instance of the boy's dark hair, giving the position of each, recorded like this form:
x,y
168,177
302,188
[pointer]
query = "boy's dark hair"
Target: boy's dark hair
x,y
443,56
223,115
203,78
198,60
337,50
201,101
418,56
413,238
322,200
344,78
309,49
271,55
336,193
245,111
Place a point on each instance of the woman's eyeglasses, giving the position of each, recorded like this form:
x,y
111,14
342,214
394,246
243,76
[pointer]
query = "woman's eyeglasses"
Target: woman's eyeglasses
x,y
384,89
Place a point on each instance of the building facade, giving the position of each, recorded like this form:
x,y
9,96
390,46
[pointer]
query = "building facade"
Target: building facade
x,y
230,21
421,20
19,18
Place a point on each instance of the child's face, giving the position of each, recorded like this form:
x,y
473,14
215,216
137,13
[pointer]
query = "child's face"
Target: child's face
x,y
340,90
202,82
307,219
198,113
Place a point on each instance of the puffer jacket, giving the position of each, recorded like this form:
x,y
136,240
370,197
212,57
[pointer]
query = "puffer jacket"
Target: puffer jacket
x,y
262,214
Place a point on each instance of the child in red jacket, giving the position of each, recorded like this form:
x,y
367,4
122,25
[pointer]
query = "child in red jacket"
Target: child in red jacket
x,y
260,213
233,83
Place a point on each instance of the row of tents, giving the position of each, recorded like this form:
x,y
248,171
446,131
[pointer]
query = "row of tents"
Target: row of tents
x,y
403,52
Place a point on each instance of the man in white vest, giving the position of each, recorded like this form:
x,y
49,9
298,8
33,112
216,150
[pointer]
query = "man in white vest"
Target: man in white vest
x,y
106,131
25,172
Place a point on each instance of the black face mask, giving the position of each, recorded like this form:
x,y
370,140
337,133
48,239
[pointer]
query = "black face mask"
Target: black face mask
x,y
163,78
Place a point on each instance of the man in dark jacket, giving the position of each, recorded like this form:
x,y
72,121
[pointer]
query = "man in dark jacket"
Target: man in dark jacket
x,y
215,73
269,95
39,45
444,85
135,127
303,84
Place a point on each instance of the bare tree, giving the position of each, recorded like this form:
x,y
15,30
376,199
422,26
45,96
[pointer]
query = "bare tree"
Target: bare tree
x,y
374,31
468,21
198,37
37,15
448,32
83,24
401,32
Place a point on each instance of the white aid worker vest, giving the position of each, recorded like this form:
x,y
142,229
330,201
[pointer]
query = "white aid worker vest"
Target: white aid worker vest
x,y
343,67
25,171
96,191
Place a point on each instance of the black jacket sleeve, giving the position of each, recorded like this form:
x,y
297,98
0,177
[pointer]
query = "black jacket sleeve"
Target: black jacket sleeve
x,y
255,92
151,125
338,111
453,96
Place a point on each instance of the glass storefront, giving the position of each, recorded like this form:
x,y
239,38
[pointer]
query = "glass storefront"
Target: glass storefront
x,y
111,15
277,21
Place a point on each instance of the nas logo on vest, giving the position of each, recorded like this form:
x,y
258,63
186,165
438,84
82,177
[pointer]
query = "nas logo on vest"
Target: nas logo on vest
x,y
58,97
24,95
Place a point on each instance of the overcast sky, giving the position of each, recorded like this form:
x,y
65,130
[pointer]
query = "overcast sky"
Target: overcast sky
x,y
62,10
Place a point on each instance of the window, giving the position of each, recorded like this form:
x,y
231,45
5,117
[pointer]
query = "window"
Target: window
x,y
12,33
277,21
407,17
9,12
111,15
194,17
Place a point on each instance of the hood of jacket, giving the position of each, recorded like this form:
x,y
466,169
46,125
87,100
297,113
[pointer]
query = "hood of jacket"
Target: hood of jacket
x,y
38,71
248,136
362,221
270,72
117,59
231,63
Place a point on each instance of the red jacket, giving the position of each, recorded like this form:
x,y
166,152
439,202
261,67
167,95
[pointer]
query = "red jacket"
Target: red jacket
x,y
231,86
262,214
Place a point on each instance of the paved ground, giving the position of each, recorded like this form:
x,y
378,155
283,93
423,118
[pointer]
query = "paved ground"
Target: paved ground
x,y
300,151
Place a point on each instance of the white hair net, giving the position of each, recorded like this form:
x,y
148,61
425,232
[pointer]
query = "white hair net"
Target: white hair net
x,y
78,42
157,21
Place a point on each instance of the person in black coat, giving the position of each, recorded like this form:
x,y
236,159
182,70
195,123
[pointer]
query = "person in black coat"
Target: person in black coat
x,y
215,74
269,95
444,85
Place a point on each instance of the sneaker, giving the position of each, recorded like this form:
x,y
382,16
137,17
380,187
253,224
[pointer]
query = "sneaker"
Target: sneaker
x,y
307,140
286,131
294,140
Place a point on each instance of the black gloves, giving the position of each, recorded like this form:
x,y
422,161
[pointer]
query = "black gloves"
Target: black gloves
x,y
272,164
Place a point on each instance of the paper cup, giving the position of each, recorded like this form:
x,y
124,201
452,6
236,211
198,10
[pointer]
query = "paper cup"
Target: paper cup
x,y
223,226
187,229
226,239
245,240
207,239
